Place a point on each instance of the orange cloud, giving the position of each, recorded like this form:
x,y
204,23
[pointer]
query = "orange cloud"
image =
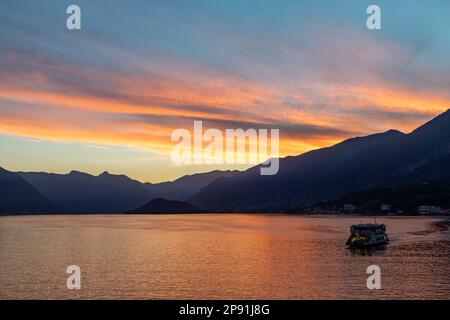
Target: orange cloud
x,y
157,136
313,108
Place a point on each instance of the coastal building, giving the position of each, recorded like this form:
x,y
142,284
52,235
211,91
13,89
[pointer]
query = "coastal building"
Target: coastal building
x,y
428,210
349,208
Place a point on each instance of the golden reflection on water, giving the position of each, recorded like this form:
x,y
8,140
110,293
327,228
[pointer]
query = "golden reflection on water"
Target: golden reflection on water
x,y
216,257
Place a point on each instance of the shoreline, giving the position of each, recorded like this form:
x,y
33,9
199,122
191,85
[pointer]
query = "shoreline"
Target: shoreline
x,y
317,215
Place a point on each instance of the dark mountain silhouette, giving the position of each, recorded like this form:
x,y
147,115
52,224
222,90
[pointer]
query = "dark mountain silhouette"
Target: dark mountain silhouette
x,y
384,160
186,186
299,177
163,206
79,192
387,159
17,196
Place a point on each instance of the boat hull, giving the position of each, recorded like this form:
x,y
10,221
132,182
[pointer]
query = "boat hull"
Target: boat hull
x,y
368,244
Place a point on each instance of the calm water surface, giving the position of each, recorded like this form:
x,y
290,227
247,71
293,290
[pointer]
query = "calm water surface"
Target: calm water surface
x,y
218,257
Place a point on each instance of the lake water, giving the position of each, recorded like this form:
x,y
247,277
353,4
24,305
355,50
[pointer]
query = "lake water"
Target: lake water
x,y
218,257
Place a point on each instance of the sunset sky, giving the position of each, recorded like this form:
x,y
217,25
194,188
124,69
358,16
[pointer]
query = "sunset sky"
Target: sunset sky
x,y
107,97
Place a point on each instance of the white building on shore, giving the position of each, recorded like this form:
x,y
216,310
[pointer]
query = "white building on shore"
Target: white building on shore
x,y
431,210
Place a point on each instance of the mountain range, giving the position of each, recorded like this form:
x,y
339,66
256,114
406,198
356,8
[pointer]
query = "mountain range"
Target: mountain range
x,y
185,187
78,192
17,196
386,159
380,160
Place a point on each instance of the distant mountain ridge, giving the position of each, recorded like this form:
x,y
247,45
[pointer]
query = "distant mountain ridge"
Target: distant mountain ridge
x,y
299,177
17,196
78,192
382,160
387,159
185,187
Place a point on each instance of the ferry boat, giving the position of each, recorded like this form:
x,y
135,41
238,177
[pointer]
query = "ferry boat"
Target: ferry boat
x,y
367,235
